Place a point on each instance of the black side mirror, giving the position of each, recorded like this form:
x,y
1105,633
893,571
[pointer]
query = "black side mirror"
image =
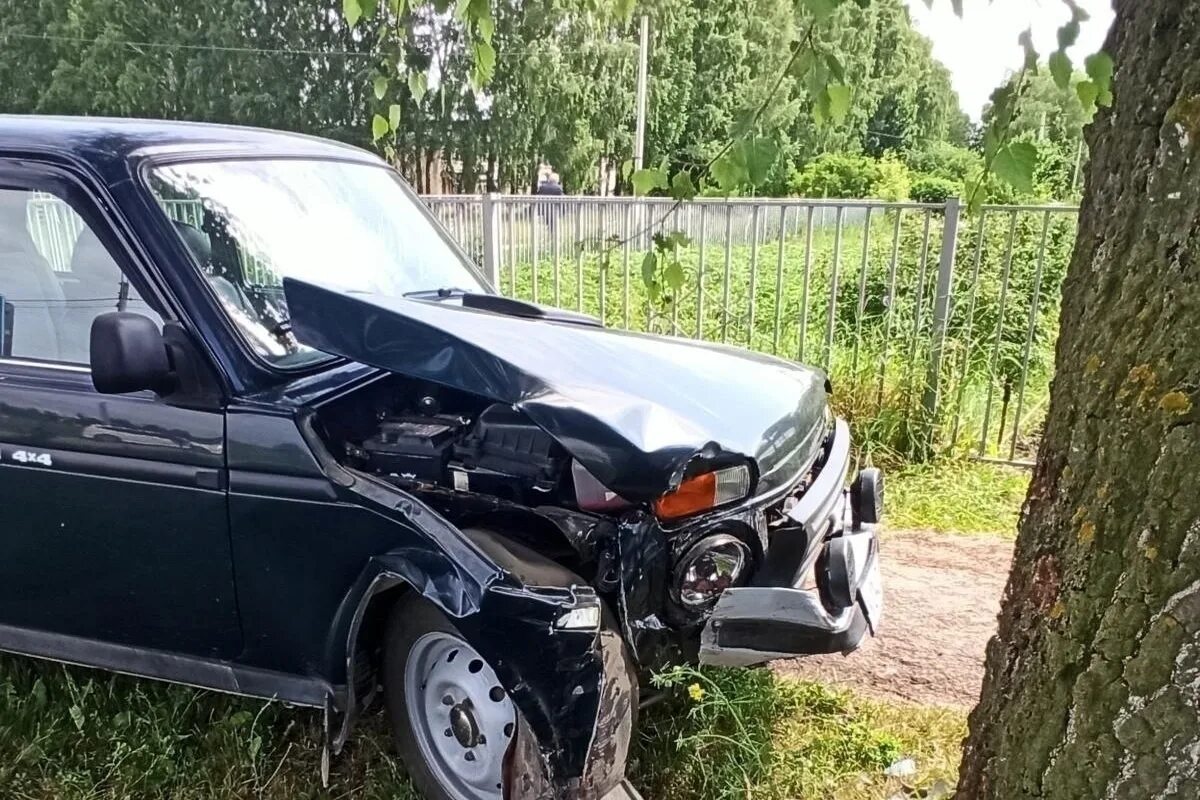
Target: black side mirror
x,y
128,354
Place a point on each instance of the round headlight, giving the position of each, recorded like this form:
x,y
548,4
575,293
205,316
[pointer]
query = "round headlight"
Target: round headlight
x,y
711,566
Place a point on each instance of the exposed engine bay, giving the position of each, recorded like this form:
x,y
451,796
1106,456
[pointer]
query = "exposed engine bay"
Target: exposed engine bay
x,y
429,438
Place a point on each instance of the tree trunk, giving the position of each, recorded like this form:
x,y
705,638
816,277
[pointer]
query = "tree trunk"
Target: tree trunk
x,y
1093,681
491,170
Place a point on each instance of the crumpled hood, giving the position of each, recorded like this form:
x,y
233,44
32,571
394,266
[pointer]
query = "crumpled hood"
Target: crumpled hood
x,y
634,409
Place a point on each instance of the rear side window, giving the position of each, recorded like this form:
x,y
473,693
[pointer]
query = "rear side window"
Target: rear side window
x,y
56,276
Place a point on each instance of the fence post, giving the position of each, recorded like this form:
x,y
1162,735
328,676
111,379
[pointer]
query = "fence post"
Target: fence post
x,y
491,239
942,300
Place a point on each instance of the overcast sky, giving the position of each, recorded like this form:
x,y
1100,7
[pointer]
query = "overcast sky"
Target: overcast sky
x,y
981,48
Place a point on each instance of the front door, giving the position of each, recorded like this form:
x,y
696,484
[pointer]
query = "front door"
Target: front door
x,y
113,511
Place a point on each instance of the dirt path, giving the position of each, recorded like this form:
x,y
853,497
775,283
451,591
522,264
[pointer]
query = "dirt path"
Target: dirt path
x,y
942,594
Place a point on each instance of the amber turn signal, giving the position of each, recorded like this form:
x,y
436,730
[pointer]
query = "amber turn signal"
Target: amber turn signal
x,y
704,491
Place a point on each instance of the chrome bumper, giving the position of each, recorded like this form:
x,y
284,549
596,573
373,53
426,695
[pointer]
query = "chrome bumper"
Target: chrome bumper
x,y
755,624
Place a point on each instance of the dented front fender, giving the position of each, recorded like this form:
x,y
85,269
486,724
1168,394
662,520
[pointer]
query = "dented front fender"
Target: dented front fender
x,y
575,687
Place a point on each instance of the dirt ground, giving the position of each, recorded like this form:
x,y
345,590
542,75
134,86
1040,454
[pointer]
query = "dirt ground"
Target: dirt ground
x,y
941,596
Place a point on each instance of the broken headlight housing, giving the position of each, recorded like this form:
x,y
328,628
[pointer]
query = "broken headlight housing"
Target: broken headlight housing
x,y
704,491
709,567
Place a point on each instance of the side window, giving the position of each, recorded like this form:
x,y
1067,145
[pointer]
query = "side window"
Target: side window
x,y
55,278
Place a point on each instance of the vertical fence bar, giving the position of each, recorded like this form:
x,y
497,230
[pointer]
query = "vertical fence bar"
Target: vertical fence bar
x,y
862,294
889,303
753,274
537,211
602,262
491,240
625,260
579,258
808,241
966,358
941,320
1033,309
511,233
782,239
557,247
725,290
918,303
700,272
1007,271
833,287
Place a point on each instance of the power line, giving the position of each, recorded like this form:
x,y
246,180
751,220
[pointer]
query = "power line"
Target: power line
x,y
47,37
182,46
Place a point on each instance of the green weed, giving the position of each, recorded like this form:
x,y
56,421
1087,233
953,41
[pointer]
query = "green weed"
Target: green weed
x,y
74,734
68,733
956,497
726,734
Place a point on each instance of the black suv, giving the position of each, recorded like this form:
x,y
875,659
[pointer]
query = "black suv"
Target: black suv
x,y
264,429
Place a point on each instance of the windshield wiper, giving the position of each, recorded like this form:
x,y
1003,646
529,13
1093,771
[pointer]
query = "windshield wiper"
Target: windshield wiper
x,y
445,293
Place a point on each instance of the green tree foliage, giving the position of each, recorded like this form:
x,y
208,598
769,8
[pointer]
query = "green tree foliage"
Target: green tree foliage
x,y
156,58
932,189
915,104
1050,117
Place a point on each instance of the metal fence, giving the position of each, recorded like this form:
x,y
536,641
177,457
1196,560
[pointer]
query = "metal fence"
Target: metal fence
x,y
937,328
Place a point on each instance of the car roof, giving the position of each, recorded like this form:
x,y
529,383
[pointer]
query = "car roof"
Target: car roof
x,y
103,140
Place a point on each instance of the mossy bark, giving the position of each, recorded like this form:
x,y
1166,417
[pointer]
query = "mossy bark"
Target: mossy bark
x,y
1093,681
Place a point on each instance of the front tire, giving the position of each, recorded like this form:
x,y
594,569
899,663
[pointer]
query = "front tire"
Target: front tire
x,y
453,722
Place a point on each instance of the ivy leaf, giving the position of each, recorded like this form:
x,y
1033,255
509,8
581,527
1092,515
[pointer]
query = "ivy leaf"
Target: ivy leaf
x,y
743,123
1014,165
379,127
381,86
418,85
682,187
822,9
803,63
1060,69
820,109
394,116
647,180
649,267
991,141
1099,67
1031,56
1068,34
352,11
1088,94
839,101
486,25
759,155
729,172
676,239
485,63
835,67
673,275
975,201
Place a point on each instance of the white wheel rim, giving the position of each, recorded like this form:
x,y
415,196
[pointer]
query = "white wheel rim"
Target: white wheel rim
x,y
462,718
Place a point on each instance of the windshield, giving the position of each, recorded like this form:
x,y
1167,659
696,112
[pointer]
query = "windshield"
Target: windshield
x,y
251,223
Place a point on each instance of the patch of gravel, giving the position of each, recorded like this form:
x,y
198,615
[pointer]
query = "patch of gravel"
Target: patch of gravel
x,y
941,597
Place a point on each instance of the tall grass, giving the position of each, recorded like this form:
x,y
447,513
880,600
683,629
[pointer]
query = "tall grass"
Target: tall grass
x,y
68,733
857,302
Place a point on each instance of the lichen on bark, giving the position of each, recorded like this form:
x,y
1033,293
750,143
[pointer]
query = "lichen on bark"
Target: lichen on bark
x,y
1093,681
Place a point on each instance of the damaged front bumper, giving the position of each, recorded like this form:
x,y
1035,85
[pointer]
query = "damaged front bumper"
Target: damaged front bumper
x,y
819,588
